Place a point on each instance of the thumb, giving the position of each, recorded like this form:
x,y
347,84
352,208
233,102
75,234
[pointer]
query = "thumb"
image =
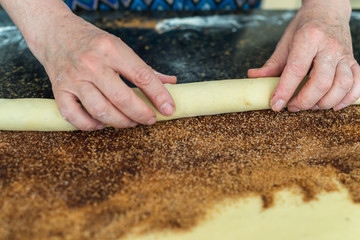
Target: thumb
x,y
166,78
276,63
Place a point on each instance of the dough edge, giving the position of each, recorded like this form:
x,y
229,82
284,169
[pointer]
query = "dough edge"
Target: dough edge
x,y
331,216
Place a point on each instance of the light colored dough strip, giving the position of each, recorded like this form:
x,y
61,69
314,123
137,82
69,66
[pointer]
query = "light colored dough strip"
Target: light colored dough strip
x,y
191,99
32,114
216,97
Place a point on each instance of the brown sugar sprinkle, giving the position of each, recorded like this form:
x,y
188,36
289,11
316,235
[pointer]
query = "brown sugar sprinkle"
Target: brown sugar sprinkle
x,y
129,22
103,184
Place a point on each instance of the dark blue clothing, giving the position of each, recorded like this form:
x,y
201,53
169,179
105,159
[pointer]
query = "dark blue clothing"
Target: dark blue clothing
x,y
141,5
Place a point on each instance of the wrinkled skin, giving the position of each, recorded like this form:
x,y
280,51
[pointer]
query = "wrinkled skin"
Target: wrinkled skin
x,y
85,65
87,71
318,38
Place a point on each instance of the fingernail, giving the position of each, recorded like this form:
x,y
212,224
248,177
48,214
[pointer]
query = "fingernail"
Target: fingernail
x,y
278,105
100,126
258,68
167,109
151,121
158,73
340,106
293,109
315,107
133,124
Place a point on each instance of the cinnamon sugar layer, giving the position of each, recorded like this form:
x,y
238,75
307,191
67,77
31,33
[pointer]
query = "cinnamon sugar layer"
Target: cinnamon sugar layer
x,y
103,184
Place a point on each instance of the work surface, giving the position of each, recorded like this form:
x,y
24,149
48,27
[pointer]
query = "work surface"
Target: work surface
x,y
104,184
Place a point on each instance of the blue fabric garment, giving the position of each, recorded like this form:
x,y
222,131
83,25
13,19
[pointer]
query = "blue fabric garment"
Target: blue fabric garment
x,y
159,5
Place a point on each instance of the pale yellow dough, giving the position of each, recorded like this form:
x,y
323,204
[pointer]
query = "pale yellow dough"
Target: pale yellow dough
x,y
191,99
332,216
32,114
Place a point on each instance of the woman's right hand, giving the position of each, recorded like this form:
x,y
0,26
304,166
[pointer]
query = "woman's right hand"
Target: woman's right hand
x,y
84,64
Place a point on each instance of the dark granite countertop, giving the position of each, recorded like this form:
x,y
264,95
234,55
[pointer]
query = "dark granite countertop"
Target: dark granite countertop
x,y
193,47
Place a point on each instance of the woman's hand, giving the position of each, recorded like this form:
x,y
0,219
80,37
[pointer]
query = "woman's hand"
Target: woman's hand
x,y
84,64
318,38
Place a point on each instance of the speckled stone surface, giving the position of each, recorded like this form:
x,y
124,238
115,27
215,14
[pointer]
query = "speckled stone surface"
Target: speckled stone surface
x,y
104,184
194,49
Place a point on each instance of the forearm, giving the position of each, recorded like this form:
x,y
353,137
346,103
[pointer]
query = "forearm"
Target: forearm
x,y
36,20
343,7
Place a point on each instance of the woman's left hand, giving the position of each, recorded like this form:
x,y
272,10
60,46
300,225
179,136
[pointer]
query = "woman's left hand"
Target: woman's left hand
x,y
318,38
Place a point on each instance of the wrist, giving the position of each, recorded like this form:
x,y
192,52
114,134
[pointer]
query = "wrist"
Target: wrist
x,y
37,20
49,26
340,8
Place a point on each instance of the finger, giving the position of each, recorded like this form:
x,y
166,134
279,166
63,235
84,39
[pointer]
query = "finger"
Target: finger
x,y
276,63
354,93
274,66
123,98
139,73
101,109
342,84
320,81
299,61
72,111
166,78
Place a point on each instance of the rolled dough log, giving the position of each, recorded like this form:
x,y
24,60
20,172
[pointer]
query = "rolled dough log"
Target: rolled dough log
x,y
32,114
191,99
